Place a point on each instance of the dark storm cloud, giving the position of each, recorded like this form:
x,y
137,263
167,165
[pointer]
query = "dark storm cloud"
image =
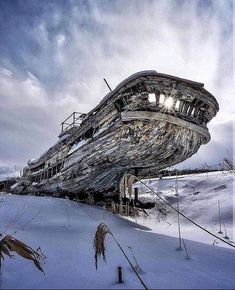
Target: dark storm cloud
x,y
22,48
54,55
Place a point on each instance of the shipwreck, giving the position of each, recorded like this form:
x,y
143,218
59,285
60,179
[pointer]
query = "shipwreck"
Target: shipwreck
x,y
150,121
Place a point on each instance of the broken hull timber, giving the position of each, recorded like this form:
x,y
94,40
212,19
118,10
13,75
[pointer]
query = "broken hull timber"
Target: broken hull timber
x,y
128,130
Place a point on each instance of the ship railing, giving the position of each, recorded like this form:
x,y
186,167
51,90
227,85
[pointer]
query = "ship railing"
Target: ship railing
x,y
74,120
194,110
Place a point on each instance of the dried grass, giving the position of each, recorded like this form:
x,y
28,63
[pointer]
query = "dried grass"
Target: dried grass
x,y
228,164
122,209
90,199
9,244
98,243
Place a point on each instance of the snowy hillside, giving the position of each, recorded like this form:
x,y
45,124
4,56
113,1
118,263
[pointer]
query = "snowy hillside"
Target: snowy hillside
x,y
65,230
198,196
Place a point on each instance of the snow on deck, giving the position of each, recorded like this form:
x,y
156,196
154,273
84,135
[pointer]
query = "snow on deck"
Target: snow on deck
x,y
65,230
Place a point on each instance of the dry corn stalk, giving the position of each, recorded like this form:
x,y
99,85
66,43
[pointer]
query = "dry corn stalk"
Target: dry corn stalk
x,y
99,247
9,244
98,242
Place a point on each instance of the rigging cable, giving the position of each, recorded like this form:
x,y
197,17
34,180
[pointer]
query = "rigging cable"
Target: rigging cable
x,y
183,215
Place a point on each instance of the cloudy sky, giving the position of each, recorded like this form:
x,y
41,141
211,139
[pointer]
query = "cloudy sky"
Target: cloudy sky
x,y
55,54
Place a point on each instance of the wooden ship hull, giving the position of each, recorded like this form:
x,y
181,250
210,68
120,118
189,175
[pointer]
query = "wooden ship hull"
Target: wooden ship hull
x,y
149,122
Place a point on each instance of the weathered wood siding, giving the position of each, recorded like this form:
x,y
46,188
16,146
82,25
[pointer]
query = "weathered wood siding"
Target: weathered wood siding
x,y
127,131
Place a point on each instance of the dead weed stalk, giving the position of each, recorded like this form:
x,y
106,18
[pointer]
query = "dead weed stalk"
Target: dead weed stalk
x,y
98,243
99,247
8,244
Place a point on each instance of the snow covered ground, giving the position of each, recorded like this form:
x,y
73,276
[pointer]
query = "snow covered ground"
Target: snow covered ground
x,y
198,195
65,230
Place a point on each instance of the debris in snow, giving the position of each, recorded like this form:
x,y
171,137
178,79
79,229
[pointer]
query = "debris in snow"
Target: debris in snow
x,y
196,192
220,187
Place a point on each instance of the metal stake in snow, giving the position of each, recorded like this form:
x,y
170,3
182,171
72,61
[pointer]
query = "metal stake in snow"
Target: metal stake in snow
x,y
220,231
120,275
225,231
185,249
99,247
177,194
128,260
187,218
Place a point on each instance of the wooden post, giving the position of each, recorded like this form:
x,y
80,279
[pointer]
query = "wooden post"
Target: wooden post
x,y
124,185
157,96
120,275
178,209
220,231
136,189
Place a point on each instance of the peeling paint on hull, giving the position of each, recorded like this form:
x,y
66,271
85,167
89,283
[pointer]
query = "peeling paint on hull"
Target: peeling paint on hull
x,y
127,131
99,165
